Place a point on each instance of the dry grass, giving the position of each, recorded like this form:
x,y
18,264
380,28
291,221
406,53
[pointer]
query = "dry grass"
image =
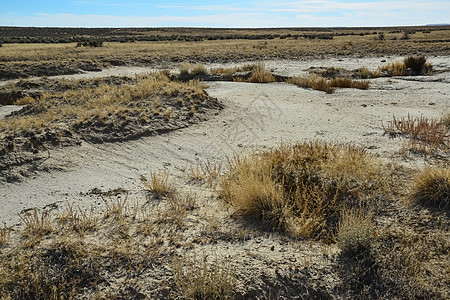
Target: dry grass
x,y
158,183
426,135
432,187
261,75
79,220
17,55
355,234
446,119
4,235
196,279
314,82
80,105
411,65
395,68
301,189
36,224
329,86
415,265
342,82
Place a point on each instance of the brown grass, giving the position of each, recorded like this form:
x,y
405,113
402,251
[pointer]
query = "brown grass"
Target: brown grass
x,y
196,279
81,104
395,68
158,183
320,83
424,133
432,187
301,189
411,65
342,82
314,82
4,235
36,224
261,75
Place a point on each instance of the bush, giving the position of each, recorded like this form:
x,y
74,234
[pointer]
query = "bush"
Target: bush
x,y
415,63
301,189
432,187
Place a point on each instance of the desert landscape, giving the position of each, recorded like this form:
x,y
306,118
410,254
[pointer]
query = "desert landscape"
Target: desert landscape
x,y
187,163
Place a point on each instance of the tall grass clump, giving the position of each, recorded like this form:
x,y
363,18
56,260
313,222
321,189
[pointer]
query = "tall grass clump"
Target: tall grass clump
x,y
432,187
302,189
261,75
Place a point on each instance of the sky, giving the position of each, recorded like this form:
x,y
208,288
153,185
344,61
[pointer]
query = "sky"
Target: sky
x,y
224,14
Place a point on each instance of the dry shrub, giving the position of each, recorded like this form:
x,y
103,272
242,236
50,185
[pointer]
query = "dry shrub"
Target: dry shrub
x,y
432,187
342,82
312,81
424,132
301,189
415,63
196,279
261,75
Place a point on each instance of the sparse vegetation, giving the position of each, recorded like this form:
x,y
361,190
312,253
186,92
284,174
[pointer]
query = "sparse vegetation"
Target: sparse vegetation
x,y
329,86
426,135
196,279
158,183
4,235
314,82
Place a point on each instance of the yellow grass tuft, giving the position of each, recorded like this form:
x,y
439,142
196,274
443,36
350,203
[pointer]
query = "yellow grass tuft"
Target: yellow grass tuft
x,y
432,187
36,224
301,189
261,75
159,183
395,68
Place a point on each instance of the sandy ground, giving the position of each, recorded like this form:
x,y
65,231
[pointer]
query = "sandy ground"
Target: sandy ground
x,y
256,116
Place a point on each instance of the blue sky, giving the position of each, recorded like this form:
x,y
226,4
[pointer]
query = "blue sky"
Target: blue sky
x,y
140,13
